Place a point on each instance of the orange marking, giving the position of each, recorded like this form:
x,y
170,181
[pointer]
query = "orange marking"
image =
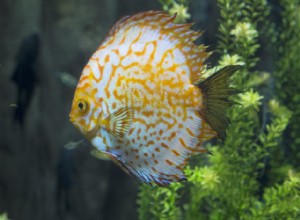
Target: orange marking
x,y
84,77
123,39
186,147
137,38
130,65
155,170
173,134
152,133
170,125
134,150
164,145
105,143
161,132
148,113
154,51
130,131
106,105
139,120
152,125
157,149
114,105
176,152
190,132
107,92
82,122
145,154
112,75
85,86
169,162
155,161
150,143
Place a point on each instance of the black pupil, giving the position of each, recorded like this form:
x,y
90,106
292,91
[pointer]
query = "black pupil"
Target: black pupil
x,y
80,105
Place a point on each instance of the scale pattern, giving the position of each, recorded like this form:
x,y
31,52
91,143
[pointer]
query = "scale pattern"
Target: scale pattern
x,y
149,65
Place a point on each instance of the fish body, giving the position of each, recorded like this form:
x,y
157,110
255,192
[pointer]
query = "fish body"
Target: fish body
x,y
141,99
25,75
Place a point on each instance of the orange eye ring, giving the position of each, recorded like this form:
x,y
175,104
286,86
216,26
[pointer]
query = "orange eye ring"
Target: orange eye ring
x,y
82,106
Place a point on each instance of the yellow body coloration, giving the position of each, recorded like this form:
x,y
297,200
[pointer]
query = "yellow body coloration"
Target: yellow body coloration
x,y
140,99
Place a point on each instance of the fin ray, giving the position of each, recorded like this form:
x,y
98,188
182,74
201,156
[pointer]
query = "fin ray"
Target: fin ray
x,y
119,122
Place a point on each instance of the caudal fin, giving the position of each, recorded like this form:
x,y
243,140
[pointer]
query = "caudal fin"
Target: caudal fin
x,y
216,90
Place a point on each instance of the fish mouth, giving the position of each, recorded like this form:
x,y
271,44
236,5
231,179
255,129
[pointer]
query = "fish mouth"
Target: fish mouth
x,y
71,119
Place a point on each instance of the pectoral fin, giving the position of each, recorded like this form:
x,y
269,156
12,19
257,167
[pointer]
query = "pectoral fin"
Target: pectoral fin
x,y
118,122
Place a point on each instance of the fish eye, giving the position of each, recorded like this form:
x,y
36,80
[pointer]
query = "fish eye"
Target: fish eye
x,y
82,105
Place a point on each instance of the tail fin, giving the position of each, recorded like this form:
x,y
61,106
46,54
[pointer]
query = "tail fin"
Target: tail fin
x,y
216,90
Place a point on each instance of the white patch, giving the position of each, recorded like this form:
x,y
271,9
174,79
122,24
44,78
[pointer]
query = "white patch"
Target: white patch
x,y
170,120
183,70
98,143
151,84
144,150
85,72
127,61
186,49
148,35
107,72
91,125
114,58
161,126
179,58
94,66
167,75
168,61
137,47
123,49
101,54
145,58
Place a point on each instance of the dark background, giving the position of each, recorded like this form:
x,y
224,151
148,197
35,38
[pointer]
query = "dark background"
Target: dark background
x,y
39,177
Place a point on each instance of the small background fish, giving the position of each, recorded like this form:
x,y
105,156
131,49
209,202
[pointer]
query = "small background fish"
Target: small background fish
x,y
24,75
143,102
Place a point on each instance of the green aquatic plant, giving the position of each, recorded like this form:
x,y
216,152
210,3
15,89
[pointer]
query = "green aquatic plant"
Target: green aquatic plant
x,y
287,73
180,8
3,216
250,175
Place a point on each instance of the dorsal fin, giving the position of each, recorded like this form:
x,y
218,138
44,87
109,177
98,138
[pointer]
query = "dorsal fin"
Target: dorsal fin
x,y
216,90
195,55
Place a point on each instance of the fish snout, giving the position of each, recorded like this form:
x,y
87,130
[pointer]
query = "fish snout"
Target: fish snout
x,y
71,118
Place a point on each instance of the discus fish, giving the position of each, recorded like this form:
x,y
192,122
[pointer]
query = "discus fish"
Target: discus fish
x,y
143,102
